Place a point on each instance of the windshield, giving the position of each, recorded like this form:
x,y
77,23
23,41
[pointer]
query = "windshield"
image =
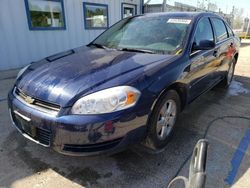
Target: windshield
x,y
163,35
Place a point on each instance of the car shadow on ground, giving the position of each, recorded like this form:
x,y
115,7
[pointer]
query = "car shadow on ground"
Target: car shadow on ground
x,y
135,167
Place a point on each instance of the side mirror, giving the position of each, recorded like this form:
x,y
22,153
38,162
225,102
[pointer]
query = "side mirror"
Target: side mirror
x,y
204,45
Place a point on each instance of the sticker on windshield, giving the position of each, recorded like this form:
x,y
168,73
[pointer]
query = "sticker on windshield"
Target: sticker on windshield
x,y
179,21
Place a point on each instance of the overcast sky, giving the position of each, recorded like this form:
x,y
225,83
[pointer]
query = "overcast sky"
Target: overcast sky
x,y
224,5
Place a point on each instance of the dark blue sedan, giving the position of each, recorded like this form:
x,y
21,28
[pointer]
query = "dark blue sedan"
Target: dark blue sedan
x,y
127,86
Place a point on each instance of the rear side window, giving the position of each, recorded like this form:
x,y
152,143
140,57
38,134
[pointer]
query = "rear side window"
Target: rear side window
x,y
220,29
203,31
230,32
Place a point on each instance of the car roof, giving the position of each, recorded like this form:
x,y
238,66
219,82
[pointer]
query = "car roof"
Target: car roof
x,y
182,14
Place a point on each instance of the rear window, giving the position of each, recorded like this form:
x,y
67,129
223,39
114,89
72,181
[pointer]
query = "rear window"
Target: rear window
x,y
220,29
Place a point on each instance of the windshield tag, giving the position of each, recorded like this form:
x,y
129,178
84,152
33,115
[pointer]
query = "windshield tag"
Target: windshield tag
x,y
179,21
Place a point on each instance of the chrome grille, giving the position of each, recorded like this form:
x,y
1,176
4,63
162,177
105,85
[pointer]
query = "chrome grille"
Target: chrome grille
x,y
36,103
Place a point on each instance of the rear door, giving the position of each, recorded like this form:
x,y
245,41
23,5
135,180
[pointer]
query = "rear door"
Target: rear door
x,y
224,47
203,62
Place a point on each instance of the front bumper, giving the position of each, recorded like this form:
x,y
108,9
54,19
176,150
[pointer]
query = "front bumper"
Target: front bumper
x,y
79,135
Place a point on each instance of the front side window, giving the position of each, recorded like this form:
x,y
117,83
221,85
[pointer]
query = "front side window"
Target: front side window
x,y
45,14
203,31
164,35
95,16
220,29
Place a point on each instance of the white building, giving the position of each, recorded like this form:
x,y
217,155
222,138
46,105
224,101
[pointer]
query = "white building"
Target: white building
x,y
33,29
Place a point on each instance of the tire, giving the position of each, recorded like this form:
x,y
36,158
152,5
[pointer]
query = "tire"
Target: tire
x,y
229,77
162,120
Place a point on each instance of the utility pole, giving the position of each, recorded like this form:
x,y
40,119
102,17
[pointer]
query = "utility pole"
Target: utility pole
x,y
197,3
164,6
232,16
247,31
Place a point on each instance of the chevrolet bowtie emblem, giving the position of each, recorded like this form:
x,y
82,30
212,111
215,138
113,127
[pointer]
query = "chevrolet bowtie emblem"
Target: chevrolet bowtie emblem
x,y
29,99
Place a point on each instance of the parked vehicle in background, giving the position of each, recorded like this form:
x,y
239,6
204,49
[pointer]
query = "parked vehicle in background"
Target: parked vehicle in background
x,y
241,34
127,86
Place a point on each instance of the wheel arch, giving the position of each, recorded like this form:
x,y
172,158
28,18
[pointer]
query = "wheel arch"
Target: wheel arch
x,y
181,90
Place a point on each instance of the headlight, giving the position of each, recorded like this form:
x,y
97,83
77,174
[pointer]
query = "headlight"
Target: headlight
x,y
106,101
22,71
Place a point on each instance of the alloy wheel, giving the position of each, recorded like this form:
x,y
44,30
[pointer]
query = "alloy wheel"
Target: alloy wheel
x,y
166,119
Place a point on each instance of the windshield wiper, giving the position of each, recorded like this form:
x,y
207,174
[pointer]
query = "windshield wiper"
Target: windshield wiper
x,y
98,45
136,50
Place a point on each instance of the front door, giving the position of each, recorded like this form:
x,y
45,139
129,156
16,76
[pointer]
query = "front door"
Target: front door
x,y
203,62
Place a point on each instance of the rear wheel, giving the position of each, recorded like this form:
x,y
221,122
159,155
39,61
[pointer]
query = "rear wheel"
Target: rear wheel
x,y
162,120
230,73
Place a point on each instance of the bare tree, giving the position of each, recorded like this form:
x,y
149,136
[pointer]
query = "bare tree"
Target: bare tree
x,y
212,7
238,18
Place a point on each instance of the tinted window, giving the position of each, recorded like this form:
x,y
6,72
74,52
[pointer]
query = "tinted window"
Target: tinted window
x,y
229,30
203,31
220,29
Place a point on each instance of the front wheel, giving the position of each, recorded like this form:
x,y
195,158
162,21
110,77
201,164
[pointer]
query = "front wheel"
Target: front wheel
x,y
162,120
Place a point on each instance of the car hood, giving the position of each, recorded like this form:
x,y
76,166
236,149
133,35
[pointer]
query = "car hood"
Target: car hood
x,y
60,80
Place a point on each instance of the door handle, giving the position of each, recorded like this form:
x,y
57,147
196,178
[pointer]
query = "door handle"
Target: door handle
x,y
215,54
